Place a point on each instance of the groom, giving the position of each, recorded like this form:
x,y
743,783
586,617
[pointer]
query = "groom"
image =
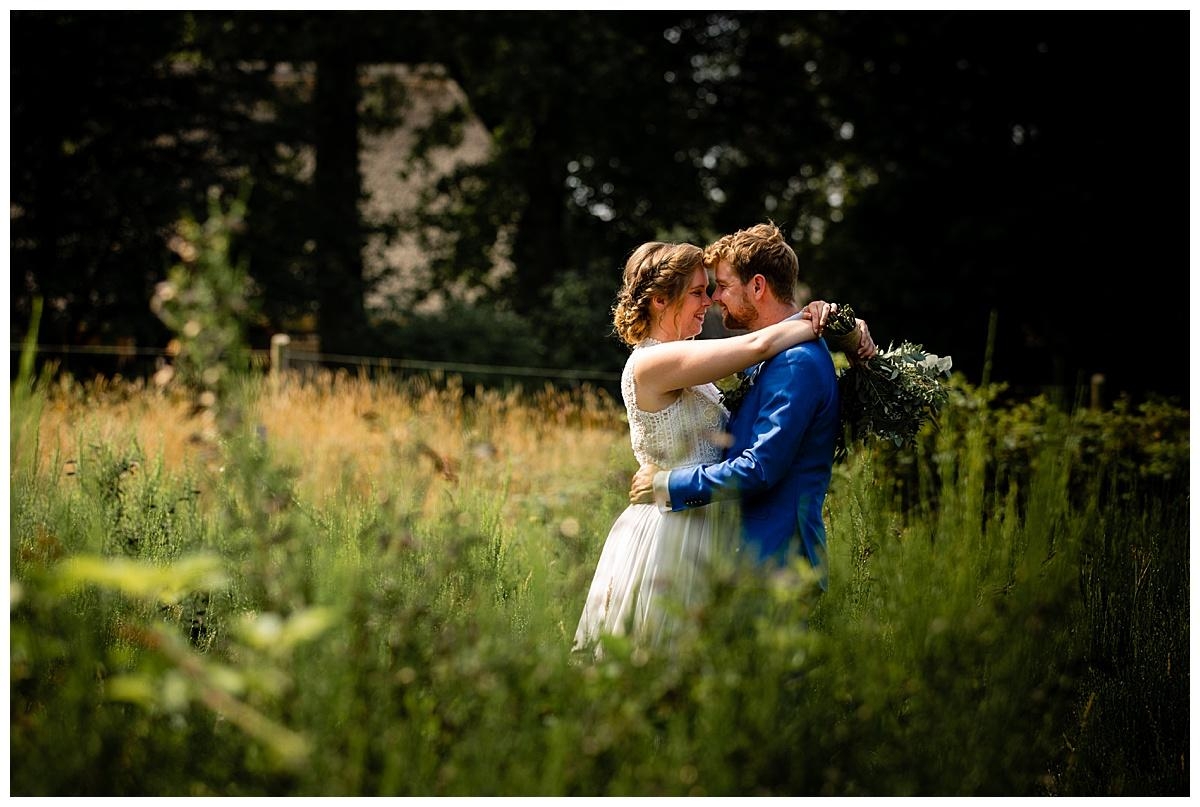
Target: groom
x,y
784,427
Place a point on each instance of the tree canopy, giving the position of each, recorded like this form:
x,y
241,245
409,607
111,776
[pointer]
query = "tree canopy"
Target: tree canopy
x,y
941,171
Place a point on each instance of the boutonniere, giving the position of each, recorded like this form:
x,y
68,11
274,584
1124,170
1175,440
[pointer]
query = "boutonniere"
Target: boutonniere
x,y
733,390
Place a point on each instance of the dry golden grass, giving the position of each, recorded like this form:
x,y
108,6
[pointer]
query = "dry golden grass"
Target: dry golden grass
x,y
352,438
119,414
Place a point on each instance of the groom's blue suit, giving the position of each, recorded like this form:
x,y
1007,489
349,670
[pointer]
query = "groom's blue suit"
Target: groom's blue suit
x,y
781,458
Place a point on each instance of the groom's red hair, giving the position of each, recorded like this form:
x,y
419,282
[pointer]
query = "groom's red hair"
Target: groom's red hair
x,y
758,250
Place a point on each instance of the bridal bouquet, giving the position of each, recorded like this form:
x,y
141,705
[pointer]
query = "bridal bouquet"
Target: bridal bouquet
x,y
890,395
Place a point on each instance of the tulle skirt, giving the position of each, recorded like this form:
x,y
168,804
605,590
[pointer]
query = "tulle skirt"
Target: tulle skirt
x,y
651,575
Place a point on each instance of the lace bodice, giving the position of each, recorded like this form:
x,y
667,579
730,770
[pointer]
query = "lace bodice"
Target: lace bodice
x,y
681,434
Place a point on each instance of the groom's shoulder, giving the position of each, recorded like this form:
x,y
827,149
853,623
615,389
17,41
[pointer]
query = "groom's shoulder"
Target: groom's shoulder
x,y
806,356
806,351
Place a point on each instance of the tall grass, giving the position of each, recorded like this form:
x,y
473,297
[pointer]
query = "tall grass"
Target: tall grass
x,y
335,585
370,587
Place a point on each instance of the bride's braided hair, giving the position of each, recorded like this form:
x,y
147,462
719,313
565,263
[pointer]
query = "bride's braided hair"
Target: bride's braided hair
x,y
655,269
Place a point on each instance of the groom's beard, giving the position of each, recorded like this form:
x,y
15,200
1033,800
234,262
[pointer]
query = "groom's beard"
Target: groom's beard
x,y
738,317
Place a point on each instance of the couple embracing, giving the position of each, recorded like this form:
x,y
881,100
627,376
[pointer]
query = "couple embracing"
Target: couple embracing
x,y
751,480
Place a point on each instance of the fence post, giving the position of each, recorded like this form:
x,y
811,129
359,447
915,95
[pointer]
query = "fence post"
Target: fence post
x,y
1097,401
279,356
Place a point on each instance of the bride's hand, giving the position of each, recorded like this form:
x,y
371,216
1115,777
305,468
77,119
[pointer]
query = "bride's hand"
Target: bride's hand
x,y
641,490
866,345
818,312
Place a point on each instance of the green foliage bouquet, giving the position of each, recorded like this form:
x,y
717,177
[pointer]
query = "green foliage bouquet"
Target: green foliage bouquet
x,y
892,394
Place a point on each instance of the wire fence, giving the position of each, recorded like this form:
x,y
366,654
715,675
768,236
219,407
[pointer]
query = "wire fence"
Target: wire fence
x,y
283,358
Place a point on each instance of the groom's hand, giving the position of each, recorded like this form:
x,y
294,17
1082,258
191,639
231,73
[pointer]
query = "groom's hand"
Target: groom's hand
x,y
641,491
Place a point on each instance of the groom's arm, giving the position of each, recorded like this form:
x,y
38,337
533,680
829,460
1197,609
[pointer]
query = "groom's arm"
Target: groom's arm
x,y
793,388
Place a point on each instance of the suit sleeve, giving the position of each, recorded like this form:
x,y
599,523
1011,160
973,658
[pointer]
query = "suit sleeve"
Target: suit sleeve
x,y
788,406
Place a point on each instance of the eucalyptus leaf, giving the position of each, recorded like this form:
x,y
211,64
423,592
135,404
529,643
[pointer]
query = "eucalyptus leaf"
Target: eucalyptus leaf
x,y
893,394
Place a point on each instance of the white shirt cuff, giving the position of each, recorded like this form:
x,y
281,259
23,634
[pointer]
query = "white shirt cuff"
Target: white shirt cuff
x,y
662,492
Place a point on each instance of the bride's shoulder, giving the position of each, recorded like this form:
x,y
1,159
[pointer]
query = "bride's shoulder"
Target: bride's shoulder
x,y
648,351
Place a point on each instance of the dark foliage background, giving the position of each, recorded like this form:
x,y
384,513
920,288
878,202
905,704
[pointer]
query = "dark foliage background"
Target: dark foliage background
x,y
942,171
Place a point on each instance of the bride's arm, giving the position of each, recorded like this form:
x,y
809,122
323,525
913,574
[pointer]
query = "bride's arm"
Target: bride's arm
x,y
686,363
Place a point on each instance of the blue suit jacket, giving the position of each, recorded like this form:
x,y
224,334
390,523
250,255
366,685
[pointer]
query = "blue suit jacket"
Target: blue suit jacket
x,y
781,458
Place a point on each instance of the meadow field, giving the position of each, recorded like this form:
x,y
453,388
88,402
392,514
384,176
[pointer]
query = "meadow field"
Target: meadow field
x,y
341,585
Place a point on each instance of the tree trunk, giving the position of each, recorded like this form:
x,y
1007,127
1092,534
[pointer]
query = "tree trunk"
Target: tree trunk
x,y
539,248
341,321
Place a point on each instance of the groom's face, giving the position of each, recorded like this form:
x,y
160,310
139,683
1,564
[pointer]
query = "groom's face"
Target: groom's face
x,y
738,312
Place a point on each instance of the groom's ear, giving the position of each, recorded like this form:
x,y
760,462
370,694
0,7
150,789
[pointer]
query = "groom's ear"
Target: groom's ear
x,y
758,285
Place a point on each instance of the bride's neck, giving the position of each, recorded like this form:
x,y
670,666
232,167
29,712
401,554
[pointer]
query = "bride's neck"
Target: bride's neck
x,y
664,333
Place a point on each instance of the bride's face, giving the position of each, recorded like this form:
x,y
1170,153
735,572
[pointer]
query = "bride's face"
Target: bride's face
x,y
686,318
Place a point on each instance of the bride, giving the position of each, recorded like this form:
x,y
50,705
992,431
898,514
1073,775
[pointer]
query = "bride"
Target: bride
x,y
651,566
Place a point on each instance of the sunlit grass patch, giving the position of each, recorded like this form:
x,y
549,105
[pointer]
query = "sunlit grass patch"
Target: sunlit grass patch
x,y
393,570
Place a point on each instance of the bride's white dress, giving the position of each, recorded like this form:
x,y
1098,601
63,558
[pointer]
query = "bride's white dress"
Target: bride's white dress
x,y
651,568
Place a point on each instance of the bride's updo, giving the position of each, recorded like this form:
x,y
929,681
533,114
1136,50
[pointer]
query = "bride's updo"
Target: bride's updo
x,y
655,269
